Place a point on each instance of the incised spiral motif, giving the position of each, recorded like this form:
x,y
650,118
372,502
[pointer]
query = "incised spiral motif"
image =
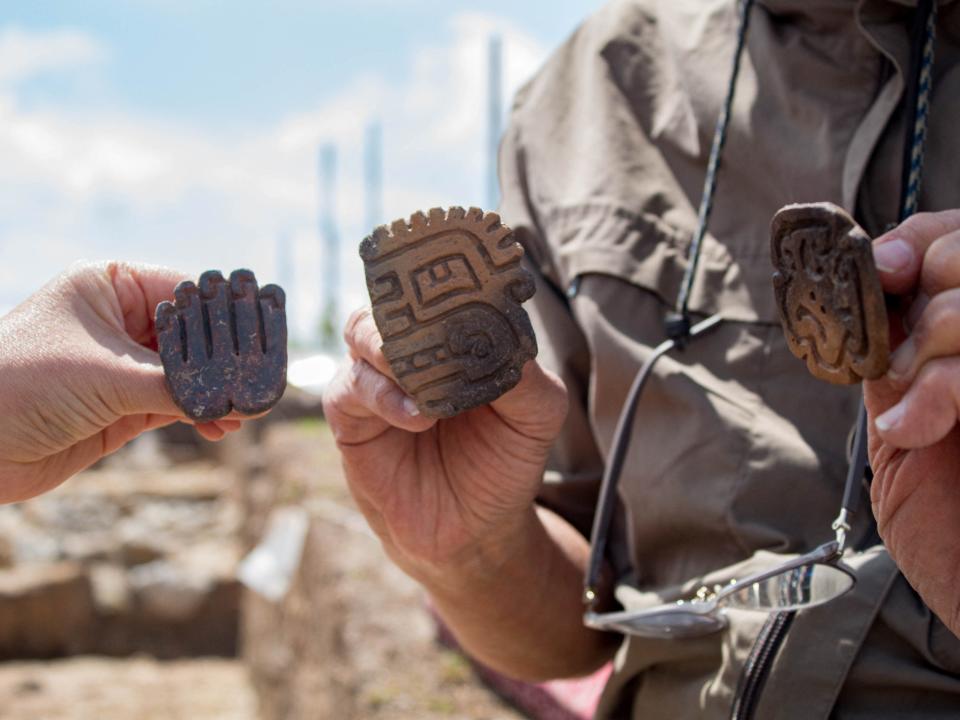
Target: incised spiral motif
x,y
446,290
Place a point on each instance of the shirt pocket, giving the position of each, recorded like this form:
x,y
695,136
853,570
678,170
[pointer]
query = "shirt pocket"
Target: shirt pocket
x,y
651,253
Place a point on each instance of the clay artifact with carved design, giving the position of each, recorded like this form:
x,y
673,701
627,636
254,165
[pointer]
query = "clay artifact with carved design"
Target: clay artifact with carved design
x,y
446,290
828,293
224,345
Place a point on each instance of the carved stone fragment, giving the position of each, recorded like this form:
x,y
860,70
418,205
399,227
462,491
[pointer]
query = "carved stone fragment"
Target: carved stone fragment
x,y
224,345
828,293
446,290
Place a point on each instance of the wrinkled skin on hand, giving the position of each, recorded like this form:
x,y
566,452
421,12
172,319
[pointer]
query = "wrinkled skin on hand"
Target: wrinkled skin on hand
x,y
914,433
80,374
439,493
452,502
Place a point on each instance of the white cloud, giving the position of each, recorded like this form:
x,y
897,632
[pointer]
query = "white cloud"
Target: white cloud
x,y
24,54
108,184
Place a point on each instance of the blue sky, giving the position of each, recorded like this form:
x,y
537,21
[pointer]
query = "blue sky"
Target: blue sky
x,y
185,132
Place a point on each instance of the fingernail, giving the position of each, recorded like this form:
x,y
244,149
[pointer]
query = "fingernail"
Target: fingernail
x,y
892,256
891,418
902,360
410,407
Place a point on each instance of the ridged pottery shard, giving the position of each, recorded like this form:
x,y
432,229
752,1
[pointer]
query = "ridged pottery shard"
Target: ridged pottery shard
x,y
446,289
828,293
224,345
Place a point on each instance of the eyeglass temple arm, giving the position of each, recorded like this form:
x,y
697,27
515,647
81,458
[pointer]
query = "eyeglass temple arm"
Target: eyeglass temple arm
x,y
852,489
618,453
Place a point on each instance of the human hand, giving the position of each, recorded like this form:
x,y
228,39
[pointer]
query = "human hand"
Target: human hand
x,y
442,495
914,434
81,376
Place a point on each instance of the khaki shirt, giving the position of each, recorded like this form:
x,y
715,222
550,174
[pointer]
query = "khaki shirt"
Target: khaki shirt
x,y
737,451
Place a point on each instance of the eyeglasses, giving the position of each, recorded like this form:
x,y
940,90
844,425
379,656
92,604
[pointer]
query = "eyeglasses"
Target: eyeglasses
x,y
797,583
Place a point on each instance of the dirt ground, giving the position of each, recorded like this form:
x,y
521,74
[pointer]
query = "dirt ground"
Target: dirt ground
x,y
89,688
353,639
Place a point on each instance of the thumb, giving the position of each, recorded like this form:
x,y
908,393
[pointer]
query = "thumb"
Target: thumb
x,y
880,395
899,253
143,387
537,406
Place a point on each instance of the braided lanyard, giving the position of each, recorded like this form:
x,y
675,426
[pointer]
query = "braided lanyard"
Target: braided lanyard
x,y
919,90
918,98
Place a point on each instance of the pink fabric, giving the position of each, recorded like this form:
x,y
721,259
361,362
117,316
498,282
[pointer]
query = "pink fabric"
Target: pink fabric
x,y
555,700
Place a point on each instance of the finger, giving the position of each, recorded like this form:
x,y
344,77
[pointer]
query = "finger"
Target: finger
x,y
899,253
941,265
364,341
384,398
232,416
139,384
215,293
230,423
139,289
362,403
190,307
273,303
210,431
915,311
928,411
243,286
155,421
154,283
133,377
350,420
935,334
243,417
127,428
536,406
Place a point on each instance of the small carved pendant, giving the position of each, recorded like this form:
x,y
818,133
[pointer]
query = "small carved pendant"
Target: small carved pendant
x,y
828,293
446,290
224,345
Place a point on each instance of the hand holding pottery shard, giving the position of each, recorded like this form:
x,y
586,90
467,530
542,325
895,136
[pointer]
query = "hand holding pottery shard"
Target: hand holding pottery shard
x,y
828,293
224,345
446,290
